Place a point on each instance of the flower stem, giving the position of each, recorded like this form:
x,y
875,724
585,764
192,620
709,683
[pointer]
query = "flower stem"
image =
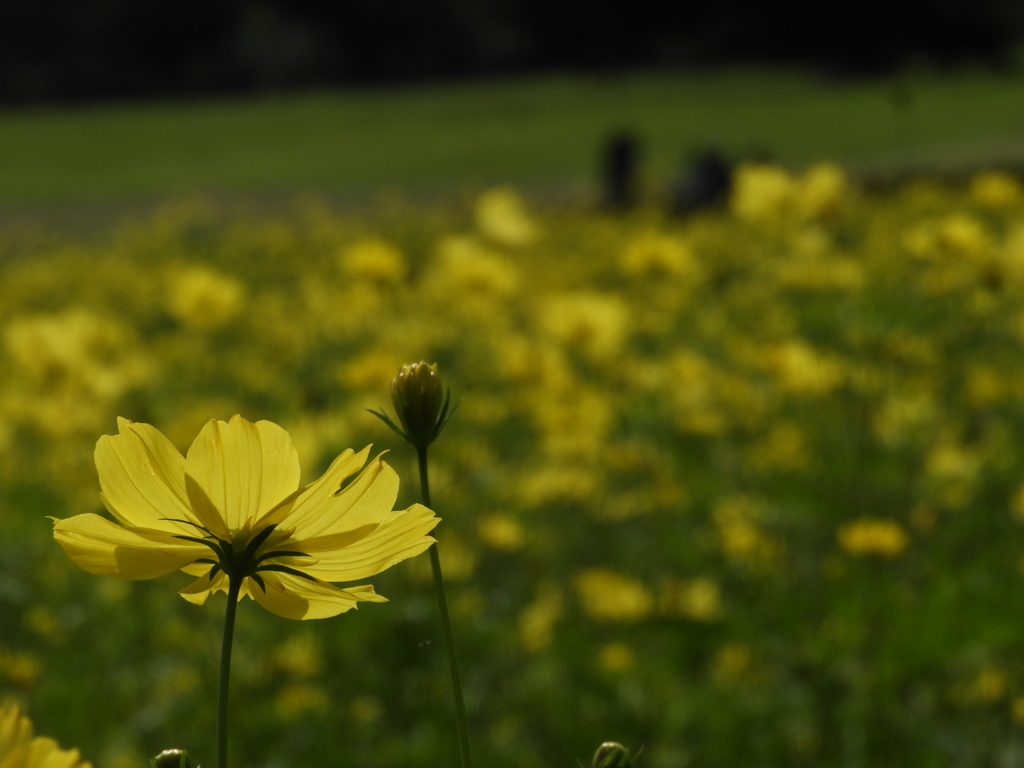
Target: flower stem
x,y
234,586
446,624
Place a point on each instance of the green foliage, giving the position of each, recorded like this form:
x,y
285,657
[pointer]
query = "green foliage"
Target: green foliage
x,y
544,131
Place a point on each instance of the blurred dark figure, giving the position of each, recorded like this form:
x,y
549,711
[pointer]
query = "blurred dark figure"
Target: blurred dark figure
x,y
620,171
705,181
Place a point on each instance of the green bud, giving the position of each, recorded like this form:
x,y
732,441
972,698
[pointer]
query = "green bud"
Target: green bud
x,y
611,754
171,758
421,404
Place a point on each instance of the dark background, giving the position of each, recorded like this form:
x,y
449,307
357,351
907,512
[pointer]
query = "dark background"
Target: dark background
x,y
72,50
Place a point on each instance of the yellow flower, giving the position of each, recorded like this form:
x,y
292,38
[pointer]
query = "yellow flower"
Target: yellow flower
x,y
233,510
873,537
609,596
204,299
995,189
501,215
374,260
18,748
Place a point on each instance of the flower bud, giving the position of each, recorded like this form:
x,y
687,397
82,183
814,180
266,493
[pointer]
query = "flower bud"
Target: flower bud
x,y
171,758
420,402
611,754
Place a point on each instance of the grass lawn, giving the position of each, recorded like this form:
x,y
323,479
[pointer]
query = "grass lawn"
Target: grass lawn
x,y
541,131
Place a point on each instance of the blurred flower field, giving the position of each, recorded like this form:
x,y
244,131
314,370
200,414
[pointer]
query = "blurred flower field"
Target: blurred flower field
x,y
745,488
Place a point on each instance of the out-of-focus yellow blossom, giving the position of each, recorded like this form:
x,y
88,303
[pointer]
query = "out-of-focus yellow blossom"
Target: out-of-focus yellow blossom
x,y
921,241
784,448
802,370
655,254
593,323
375,260
537,622
609,596
949,461
740,537
300,656
1017,710
465,268
21,669
693,387
300,700
698,599
501,532
575,426
822,274
985,386
20,749
558,482
524,361
238,491
372,370
203,298
1017,503
902,415
995,189
732,662
501,215
964,234
988,687
867,536
616,657
761,193
1012,261
821,191
79,350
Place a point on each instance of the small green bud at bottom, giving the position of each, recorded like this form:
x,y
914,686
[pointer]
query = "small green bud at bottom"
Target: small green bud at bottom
x,y
611,754
171,758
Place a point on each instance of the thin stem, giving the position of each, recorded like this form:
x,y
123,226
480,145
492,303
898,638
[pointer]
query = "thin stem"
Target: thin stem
x,y
234,586
446,624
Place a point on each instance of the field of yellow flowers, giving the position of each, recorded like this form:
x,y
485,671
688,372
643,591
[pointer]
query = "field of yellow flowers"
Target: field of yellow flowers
x,y
745,488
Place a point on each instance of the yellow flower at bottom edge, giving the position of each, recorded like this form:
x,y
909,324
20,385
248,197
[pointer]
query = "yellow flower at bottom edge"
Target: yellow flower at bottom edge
x,y
233,509
18,748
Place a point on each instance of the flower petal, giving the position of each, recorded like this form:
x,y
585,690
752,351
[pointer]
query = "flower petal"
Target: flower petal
x,y
296,598
100,546
323,509
199,590
245,469
401,536
301,509
143,478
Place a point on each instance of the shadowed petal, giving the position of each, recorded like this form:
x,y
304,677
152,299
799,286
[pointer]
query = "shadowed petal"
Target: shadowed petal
x,y
143,478
100,546
245,469
296,598
344,557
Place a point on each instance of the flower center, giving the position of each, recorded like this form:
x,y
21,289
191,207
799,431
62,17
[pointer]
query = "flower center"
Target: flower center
x,y
239,559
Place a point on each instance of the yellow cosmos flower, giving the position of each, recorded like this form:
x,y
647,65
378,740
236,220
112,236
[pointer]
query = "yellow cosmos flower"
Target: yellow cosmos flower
x,y
232,510
18,748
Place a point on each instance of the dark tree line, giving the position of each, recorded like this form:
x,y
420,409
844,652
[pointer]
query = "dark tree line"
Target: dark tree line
x,y
52,50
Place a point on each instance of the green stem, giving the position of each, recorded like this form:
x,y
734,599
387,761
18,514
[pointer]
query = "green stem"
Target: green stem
x,y
446,624
234,586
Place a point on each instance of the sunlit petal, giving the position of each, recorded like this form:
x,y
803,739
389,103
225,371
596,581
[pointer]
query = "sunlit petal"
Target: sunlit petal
x,y
321,510
307,507
402,535
245,469
143,478
100,546
296,598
